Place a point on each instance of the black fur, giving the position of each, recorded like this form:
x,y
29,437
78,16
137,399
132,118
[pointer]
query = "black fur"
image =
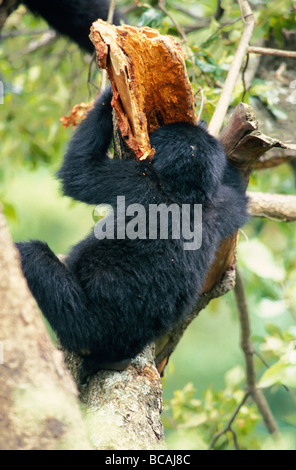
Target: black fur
x,y
73,17
116,296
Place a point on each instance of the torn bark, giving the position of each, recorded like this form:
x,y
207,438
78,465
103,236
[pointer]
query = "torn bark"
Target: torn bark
x,y
149,80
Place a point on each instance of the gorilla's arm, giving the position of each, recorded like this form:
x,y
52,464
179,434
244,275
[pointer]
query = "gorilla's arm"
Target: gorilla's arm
x,y
88,174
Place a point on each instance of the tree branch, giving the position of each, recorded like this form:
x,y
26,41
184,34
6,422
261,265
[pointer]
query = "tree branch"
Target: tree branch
x,y
123,408
228,426
166,345
269,51
275,158
248,351
225,98
245,144
272,206
29,32
48,37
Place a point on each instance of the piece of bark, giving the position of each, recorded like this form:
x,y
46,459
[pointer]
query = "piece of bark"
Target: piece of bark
x,y
149,79
77,114
241,123
245,144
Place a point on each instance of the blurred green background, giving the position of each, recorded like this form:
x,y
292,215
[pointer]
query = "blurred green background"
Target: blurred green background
x,y
204,380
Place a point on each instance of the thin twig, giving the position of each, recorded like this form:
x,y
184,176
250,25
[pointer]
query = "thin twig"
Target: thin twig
x,y
225,98
248,350
165,11
265,363
111,11
228,426
49,36
223,26
188,13
269,51
89,80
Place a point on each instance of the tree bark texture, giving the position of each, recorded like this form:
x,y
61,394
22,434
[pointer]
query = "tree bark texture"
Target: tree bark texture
x,y
124,408
38,399
272,206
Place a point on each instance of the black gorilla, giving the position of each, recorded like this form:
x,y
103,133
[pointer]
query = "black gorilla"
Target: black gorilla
x,y
117,295
73,17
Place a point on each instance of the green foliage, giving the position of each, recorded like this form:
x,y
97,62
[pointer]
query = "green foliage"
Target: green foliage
x,y
280,347
42,86
196,421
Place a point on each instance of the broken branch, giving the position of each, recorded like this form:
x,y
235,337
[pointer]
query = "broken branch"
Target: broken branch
x,y
149,79
276,158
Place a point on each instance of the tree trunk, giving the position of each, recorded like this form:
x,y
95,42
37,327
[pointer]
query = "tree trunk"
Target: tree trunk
x,y
38,401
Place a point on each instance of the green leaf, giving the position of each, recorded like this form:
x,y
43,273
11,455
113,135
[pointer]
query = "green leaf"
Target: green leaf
x,y
234,377
274,375
279,373
151,17
259,259
204,66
